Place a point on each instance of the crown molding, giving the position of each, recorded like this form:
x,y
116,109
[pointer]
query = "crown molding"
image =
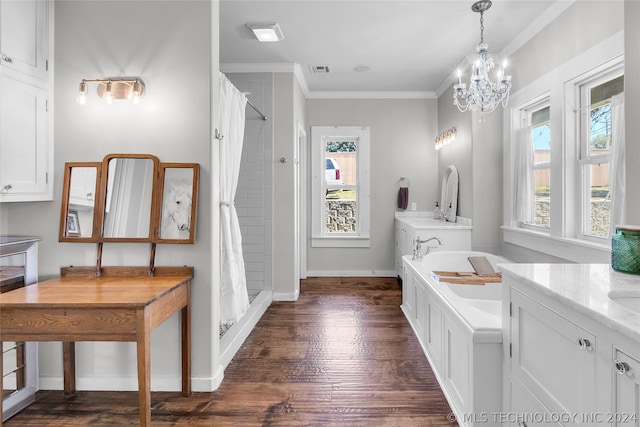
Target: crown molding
x,y
268,67
296,69
372,95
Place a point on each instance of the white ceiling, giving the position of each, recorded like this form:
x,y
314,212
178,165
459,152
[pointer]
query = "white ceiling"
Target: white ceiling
x,y
410,46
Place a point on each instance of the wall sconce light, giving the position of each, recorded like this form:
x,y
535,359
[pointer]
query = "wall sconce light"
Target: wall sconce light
x,y
445,138
114,88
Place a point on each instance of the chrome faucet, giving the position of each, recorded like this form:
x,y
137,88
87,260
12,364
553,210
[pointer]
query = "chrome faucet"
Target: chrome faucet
x,y
417,252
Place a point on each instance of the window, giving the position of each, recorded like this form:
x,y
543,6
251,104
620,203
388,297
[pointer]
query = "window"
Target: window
x,y
340,170
594,148
537,120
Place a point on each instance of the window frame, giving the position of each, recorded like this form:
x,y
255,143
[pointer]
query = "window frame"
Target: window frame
x,y
526,112
561,242
585,160
319,236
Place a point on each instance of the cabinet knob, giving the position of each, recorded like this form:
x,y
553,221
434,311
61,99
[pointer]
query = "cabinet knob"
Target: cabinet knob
x,y
7,187
6,58
89,194
622,367
584,343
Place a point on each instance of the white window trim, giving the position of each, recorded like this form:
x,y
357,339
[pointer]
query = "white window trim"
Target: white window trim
x,y
580,86
362,239
560,241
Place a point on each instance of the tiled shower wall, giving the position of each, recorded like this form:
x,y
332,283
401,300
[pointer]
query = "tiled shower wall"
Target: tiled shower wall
x,y
255,184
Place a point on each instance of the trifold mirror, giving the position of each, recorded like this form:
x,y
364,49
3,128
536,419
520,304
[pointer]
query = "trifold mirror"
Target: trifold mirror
x,y
129,198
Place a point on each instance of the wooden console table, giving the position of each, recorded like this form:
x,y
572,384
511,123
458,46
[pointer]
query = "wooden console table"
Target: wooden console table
x,y
123,304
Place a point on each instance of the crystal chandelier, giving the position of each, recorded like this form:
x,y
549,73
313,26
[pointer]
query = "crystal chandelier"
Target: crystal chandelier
x,y
483,94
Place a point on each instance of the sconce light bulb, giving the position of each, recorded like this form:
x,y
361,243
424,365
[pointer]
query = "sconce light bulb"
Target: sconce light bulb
x,y
82,95
136,92
108,93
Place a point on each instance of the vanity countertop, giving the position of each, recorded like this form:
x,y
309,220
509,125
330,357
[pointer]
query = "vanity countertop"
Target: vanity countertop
x,y
422,220
587,289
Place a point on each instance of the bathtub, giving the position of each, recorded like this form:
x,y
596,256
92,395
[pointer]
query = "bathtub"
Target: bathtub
x,y
460,330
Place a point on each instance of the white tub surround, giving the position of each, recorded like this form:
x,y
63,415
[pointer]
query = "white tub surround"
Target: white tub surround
x,y
455,236
572,344
460,330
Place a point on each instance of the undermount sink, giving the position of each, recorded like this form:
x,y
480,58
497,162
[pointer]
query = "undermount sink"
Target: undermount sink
x,y
629,298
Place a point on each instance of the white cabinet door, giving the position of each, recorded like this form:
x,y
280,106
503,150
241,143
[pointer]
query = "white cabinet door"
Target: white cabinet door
x,y
626,391
526,410
553,357
24,148
23,36
433,332
409,295
456,365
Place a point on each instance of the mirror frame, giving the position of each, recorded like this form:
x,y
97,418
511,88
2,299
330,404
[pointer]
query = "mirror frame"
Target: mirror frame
x,y
195,167
97,208
154,190
449,195
102,179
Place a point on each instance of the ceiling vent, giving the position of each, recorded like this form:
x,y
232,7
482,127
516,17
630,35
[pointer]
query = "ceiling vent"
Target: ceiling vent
x,y
319,68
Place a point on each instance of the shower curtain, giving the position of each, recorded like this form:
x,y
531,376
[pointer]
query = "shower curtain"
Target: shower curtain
x,y
234,299
616,164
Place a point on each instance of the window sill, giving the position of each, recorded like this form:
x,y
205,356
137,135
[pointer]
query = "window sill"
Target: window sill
x,y
571,249
341,242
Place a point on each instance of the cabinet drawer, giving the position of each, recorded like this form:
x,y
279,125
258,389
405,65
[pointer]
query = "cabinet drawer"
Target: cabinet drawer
x,y
554,358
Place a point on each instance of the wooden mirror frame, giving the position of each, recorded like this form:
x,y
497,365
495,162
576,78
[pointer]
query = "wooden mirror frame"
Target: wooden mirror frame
x,y
154,195
66,195
102,169
192,193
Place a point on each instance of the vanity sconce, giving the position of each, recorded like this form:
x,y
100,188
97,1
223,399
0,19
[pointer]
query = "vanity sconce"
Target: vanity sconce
x,y
445,138
132,88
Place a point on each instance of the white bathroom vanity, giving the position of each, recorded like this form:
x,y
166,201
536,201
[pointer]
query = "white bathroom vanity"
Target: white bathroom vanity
x,y
571,345
455,236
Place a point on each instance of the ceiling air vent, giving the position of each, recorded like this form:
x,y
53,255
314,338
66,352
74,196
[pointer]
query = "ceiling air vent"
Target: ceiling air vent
x,y
319,68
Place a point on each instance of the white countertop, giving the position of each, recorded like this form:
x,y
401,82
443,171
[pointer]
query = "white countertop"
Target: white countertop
x,y
422,220
585,288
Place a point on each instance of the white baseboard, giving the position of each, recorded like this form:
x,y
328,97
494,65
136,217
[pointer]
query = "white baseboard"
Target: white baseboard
x,y
287,296
198,384
351,273
111,383
236,335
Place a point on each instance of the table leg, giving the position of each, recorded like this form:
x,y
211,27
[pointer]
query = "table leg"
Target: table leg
x,y
69,367
186,346
144,372
1,383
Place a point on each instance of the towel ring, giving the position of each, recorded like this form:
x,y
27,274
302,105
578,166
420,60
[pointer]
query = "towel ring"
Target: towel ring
x,y
404,181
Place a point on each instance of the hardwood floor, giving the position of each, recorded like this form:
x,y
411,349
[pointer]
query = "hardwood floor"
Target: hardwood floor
x,y
342,355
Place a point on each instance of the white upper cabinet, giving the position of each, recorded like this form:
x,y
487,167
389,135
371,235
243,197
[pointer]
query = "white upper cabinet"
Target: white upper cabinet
x,y
26,86
24,36
24,151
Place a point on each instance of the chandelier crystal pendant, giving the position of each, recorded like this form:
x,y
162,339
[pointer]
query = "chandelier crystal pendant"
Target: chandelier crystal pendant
x,y
483,94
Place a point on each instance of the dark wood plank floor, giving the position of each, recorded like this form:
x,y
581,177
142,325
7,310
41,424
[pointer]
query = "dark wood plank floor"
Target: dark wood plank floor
x,y
342,355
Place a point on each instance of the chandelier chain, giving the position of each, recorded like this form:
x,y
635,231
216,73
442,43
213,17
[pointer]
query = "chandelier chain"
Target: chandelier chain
x,y
481,27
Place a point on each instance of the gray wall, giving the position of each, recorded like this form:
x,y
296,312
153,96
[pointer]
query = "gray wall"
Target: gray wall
x,y
477,154
288,112
577,29
402,144
581,26
632,106
168,44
